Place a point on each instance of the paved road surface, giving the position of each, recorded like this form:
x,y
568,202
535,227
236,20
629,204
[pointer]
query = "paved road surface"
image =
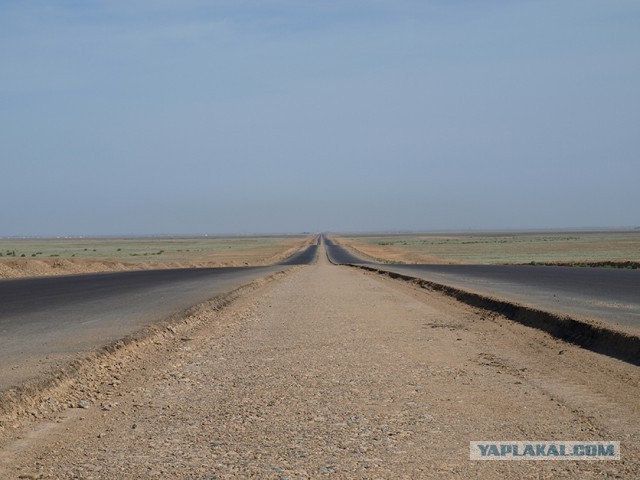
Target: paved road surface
x,y
45,320
611,295
303,257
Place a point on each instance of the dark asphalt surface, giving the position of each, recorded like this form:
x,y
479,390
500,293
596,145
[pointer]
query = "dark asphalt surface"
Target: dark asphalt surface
x,y
603,294
340,255
303,257
29,295
45,320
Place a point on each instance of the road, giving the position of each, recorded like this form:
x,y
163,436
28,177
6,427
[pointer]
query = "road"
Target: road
x,y
46,320
602,294
332,373
303,257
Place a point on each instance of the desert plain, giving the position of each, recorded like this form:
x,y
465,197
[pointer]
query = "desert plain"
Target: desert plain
x,y
28,257
326,371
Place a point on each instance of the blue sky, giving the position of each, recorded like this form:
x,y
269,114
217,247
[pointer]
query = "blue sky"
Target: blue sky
x,y
186,117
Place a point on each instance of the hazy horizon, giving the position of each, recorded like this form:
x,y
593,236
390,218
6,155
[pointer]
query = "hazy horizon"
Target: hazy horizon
x,y
213,117
583,230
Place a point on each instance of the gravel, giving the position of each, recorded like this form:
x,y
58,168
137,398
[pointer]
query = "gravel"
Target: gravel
x,y
331,372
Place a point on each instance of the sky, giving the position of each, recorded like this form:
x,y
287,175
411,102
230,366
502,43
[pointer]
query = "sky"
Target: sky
x,y
266,116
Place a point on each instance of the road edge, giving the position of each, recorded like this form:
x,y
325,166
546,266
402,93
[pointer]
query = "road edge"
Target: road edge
x,y
598,338
48,393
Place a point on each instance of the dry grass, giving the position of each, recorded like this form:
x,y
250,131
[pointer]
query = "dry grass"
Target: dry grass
x,y
501,248
36,257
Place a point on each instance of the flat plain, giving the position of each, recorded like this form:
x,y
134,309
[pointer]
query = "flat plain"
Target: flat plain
x,y
571,247
36,257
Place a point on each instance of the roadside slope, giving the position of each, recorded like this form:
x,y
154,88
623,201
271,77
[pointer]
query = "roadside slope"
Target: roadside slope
x,y
335,371
13,268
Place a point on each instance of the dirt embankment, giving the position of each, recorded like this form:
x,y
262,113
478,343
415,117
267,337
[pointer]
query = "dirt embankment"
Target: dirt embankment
x,y
391,253
22,268
608,264
597,249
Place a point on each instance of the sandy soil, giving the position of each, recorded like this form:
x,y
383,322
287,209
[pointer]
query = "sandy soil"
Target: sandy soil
x,y
391,254
603,248
331,372
21,268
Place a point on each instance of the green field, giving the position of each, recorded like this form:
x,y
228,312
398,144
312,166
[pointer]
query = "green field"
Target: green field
x,y
501,247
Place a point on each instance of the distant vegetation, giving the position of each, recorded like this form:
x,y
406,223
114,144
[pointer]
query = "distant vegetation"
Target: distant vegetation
x,y
620,249
197,249
626,264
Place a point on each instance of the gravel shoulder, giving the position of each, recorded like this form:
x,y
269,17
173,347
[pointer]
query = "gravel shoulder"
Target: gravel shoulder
x,y
330,372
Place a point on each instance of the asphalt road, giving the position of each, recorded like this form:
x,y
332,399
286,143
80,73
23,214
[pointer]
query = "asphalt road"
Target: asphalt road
x,y
46,320
601,294
340,255
303,257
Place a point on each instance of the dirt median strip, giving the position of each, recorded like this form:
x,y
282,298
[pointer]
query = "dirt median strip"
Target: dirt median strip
x,y
51,391
598,338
